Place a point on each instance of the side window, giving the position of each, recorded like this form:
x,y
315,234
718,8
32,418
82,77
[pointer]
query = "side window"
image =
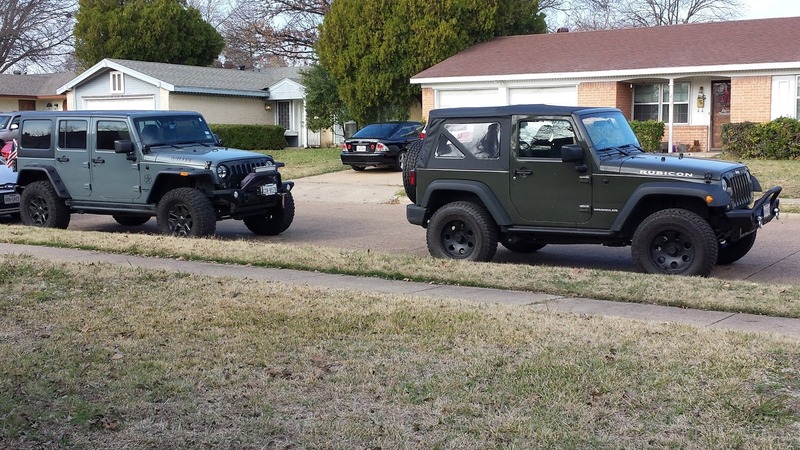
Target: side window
x,y
109,131
481,139
72,134
36,134
543,138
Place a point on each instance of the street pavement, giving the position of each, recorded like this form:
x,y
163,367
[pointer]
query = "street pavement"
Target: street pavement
x,y
361,210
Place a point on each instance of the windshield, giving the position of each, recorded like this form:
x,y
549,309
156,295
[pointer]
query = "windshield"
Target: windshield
x,y
173,130
610,131
387,130
4,121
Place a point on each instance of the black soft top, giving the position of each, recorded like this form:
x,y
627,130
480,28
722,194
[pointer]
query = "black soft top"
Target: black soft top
x,y
538,109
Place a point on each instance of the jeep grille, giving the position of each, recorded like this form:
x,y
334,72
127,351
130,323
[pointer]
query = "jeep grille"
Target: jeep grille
x,y
240,170
742,190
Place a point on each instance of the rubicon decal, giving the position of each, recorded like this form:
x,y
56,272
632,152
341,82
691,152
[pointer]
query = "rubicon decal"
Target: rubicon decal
x,y
661,173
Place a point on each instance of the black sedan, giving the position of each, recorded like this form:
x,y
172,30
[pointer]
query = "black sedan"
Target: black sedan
x,y
380,145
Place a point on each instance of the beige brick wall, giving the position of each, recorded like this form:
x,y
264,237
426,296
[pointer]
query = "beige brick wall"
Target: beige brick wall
x,y
751,99
428,102
606,94
687,134
228,110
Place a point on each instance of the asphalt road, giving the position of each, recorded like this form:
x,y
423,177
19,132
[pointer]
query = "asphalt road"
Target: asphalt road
x,y
352,210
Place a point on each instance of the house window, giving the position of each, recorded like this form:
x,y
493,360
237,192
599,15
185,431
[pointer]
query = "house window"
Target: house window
x,y
651,102
283,115
117,83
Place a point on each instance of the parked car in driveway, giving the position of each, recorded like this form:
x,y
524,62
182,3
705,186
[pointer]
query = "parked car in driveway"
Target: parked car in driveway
x,y
9,127
380,145
9,198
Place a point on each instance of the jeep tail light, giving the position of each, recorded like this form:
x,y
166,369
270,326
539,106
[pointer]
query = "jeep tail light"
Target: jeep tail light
x,y
412,177
422,134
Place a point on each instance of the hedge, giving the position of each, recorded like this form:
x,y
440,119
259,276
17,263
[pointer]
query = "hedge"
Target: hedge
x,y
649,133
779,139
251,137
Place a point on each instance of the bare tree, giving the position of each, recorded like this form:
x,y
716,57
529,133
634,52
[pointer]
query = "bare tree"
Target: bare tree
x,y
35,33
215,12
284,30
606,14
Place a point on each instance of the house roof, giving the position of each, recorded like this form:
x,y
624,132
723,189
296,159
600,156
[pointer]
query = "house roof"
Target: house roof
x,y
194,79
762,43
34,85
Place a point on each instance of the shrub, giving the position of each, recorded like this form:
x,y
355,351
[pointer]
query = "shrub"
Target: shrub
x,y
649,133
779,139
251,137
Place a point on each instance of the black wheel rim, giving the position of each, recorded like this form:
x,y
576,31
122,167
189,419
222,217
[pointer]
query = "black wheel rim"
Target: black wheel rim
x,y
39,210
180,220
458,239
672,251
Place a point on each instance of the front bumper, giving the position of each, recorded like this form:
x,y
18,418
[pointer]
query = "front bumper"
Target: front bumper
x,y
244,202
748,220
368,159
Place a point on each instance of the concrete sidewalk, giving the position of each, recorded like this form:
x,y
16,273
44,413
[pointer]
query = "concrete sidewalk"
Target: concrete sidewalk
x,y
710,319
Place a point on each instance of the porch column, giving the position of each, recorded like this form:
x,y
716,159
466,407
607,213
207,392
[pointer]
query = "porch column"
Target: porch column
x,y
671,112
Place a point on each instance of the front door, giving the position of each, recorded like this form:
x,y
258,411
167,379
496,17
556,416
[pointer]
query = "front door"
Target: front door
x,y
544,189
720,110
114,177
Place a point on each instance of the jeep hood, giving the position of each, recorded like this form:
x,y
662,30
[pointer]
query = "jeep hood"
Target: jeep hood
x,y
668,166
200,155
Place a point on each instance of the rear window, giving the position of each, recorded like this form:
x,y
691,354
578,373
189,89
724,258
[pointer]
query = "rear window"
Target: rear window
x,y
377,131
36,134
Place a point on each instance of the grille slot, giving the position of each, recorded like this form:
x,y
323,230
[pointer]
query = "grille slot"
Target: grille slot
x,y
742,192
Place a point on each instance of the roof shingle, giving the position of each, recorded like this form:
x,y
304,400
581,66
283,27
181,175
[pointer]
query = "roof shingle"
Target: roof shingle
x,y
746,42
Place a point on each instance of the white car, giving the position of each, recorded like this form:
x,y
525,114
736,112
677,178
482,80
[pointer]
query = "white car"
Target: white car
x,y
9,198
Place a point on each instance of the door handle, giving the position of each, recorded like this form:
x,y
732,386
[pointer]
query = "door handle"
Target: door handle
x,y
99,161
62,158
522,173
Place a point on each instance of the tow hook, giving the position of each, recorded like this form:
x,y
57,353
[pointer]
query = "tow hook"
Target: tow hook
x,y
760,221
777,212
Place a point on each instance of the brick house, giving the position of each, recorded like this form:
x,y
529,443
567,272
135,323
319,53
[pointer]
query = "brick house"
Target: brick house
x,y
693,77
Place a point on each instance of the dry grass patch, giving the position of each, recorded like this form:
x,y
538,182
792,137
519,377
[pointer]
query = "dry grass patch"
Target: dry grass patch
x,y
785,173
101,356
701,293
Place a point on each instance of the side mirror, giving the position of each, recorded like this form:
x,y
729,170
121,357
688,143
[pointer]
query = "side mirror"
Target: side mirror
x,y
572,153
125,146
218,139
14,126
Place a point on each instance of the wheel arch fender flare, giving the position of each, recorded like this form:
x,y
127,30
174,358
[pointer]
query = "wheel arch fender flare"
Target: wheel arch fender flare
x,y
169,179
692,190
40,172
482,191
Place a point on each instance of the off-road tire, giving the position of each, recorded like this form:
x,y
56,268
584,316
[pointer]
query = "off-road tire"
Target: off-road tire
x,y
462,230
675,242
520,244
186,212
730,252
400,162
130,221
40,206
412,154
359,168
275,221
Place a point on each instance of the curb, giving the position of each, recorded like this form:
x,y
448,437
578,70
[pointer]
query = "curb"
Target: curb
x,y
747,323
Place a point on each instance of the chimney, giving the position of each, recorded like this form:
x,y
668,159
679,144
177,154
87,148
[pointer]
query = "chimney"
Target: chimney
x,y
563,30
241,67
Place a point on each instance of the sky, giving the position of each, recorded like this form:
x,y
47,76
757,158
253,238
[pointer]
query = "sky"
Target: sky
x,y
762,9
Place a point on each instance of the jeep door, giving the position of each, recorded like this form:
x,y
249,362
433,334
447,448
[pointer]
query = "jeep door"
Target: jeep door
x,y
72,156
545,190
114,177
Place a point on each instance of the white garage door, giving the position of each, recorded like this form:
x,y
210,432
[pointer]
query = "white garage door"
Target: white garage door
x,y
118,104
564,96
466,98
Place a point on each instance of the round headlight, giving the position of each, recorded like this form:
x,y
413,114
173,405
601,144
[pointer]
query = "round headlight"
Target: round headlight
x,y
222,171
726,187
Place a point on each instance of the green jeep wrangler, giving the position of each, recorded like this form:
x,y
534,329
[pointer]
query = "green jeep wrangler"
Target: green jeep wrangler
x,y
137,164
531,175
